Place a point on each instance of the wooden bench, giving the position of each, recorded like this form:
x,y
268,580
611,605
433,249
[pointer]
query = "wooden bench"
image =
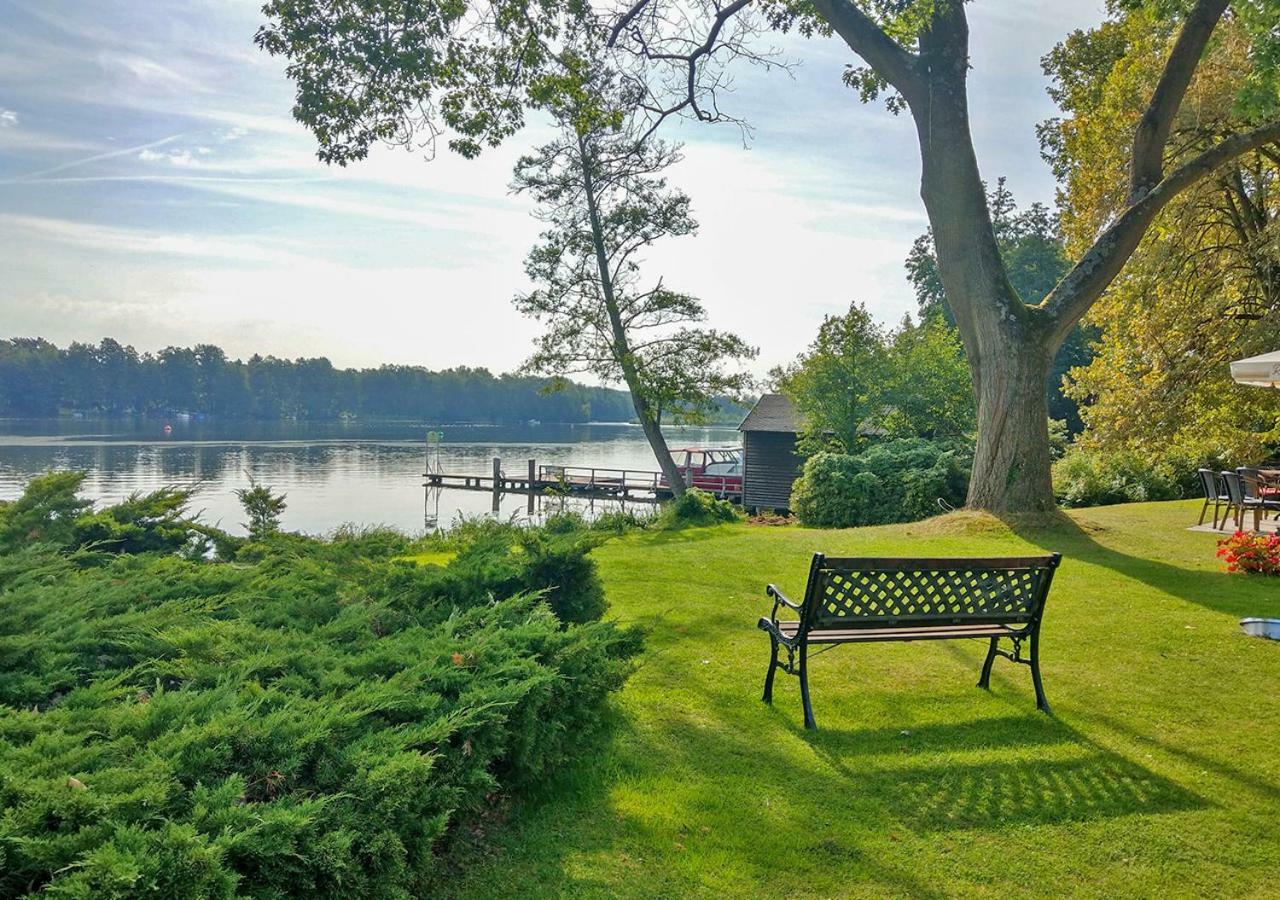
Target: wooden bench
x,y
850,601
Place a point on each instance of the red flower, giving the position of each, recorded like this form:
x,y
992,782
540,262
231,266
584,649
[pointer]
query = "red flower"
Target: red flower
x,y
1255,553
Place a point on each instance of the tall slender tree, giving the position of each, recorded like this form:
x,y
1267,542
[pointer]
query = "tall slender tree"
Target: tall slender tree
x,y
601,191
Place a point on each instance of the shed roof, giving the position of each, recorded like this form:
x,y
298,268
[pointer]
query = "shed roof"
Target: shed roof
x,y
772,412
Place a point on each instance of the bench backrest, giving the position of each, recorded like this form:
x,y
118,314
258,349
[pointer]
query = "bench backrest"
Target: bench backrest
x,y
878,593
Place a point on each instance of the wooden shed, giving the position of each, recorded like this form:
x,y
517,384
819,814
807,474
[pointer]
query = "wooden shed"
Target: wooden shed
x,y
770,463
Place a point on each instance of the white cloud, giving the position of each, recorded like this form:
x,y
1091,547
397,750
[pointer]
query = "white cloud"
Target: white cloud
x,y
97,157
8,118
110,239
181,158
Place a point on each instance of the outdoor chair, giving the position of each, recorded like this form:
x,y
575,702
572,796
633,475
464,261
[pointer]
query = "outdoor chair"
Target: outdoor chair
x,y
1256,496
1214,492
1235,498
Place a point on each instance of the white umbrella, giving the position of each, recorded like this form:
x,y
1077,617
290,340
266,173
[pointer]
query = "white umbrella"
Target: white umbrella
x,y
1260,371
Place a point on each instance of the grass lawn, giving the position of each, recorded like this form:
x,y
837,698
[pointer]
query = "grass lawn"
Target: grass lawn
x,y
1158,776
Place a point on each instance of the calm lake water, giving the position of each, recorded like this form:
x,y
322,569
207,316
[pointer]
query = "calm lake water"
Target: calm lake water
x,y
333,473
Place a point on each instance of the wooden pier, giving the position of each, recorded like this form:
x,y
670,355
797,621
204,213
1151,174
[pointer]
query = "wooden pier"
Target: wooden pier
x,y
622,484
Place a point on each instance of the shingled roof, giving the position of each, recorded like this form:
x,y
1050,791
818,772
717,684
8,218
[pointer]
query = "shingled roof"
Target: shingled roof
x,y
772,412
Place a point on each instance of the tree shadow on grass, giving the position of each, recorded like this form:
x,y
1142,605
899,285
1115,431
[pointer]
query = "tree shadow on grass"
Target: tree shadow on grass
x,y
679,535
1058,532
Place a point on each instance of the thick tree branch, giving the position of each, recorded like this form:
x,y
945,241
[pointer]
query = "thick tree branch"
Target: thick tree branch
x,y
624,21
1083,285
867,39
1157,121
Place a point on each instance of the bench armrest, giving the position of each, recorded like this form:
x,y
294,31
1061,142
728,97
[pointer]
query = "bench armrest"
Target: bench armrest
x,y
778,597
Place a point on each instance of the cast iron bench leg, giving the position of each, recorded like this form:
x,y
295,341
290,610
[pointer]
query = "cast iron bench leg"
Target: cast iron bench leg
x,y
804,686
773,667
984,681
1041,703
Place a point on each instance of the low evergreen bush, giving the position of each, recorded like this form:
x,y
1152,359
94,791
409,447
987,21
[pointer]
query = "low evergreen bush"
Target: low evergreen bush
x,y
311,719
51,511
894,481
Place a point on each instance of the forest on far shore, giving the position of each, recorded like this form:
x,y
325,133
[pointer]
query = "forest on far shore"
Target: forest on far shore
x,y
39,379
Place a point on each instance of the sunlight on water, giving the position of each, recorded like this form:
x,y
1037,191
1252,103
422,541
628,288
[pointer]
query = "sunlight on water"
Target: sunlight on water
x,y
333,473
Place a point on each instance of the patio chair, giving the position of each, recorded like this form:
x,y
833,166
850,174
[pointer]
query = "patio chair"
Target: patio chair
x,y
1267,489
1235,498
1214,492
1256,495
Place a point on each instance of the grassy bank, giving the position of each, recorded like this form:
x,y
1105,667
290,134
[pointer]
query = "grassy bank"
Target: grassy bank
x,y
1159,775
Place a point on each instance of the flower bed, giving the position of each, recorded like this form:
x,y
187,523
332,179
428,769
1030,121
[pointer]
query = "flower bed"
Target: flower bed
x,y
1254,553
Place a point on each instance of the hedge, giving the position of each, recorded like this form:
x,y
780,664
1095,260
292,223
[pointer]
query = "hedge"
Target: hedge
x,y
895,481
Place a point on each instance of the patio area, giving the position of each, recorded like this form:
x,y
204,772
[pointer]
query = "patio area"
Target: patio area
x,y
1267,526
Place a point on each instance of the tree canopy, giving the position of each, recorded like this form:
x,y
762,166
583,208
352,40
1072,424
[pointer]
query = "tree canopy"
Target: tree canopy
x,y
858,383
1203,288
602,192
605,200
40,379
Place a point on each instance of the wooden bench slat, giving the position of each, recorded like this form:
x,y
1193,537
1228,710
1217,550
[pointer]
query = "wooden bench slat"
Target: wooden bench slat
x,y
853,635
941,563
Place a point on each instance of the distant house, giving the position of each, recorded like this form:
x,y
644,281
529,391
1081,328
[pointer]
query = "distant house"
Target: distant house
x,y
770,464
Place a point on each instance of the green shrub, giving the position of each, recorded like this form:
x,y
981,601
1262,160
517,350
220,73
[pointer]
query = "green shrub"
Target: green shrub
x,y
498,559
620,521
895,481
559,568
51,511
696,507
141,523
262,508
46,511
1184,460
311,722
1098,478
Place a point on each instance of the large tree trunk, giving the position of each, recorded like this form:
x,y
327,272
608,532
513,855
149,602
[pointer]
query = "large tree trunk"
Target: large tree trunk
x,y
1011,461
1008,344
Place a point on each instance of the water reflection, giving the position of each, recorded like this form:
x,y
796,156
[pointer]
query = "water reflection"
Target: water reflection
x,y
333,473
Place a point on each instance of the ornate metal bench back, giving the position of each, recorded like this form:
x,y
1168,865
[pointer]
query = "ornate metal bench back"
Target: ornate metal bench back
x,y
878,593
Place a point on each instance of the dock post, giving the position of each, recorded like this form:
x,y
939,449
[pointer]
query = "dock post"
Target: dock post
x,y
497,484
532,485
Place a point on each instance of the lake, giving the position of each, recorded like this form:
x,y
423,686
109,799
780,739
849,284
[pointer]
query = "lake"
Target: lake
x,y
366,473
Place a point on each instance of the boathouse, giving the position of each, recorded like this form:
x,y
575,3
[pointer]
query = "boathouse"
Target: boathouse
x,y
770,464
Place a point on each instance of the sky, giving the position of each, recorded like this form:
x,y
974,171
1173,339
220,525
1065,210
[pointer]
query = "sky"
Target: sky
x,y
155,188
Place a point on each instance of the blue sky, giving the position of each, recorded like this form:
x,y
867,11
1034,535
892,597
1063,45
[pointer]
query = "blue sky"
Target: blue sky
x,y
155,188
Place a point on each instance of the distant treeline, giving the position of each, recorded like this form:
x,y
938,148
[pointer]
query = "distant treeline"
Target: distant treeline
x,y
40,379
